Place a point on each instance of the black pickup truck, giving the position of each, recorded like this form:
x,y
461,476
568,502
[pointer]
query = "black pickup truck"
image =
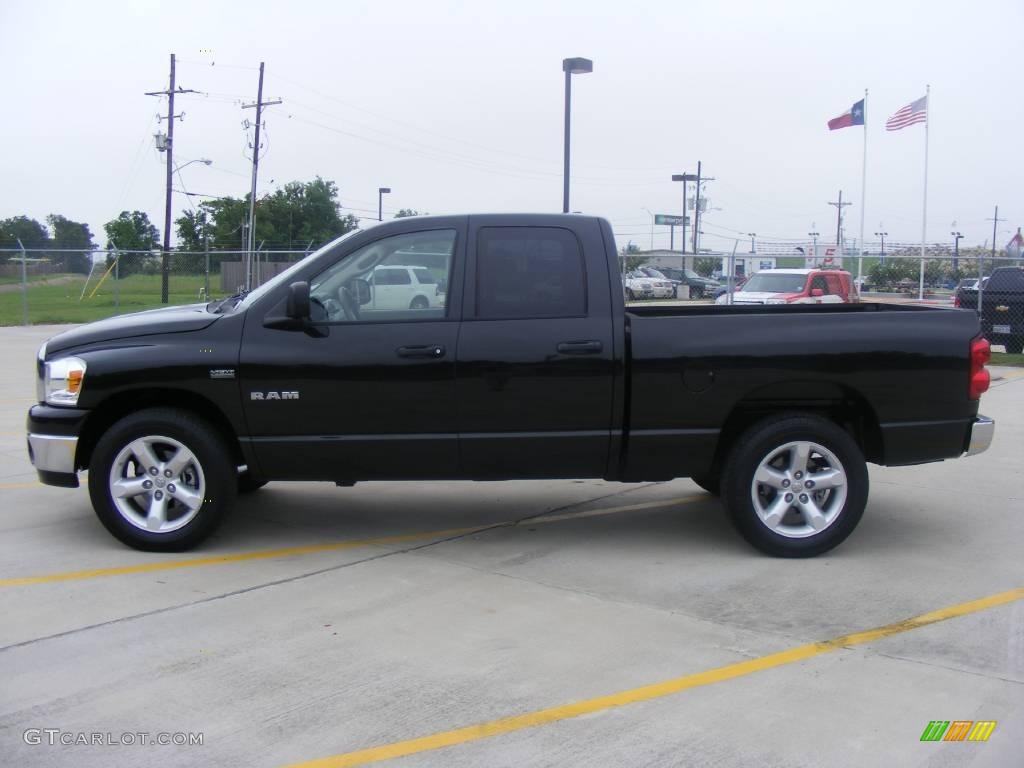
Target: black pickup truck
x,y
1002,307
523,362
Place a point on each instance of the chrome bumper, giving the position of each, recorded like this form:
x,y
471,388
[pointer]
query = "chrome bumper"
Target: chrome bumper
x,y
982,431
52,453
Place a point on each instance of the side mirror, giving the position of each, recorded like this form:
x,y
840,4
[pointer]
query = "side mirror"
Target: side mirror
x,y
297,307
817,292
361,289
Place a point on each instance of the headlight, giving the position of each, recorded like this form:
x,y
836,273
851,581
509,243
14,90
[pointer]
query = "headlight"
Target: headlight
x,y
774,301
62,381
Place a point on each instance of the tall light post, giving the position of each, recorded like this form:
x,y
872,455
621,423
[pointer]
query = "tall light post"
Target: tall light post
x,y
882,235
684,177
814,244
752,235
956,249
381,191
574,66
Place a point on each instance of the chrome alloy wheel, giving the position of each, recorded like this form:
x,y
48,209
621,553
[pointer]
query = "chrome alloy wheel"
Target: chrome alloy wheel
x,y
157,484
799,489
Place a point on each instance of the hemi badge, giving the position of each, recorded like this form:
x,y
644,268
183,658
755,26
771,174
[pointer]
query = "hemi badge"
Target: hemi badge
x,y
222,373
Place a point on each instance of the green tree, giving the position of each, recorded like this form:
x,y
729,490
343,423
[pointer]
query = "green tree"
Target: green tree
x,y
68,234
132,231
191,227
30,232
294,216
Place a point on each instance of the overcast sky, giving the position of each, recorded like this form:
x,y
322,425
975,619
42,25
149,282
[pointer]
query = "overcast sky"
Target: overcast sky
x,y
457,106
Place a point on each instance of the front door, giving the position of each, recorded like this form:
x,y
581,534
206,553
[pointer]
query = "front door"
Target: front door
x,y
370,392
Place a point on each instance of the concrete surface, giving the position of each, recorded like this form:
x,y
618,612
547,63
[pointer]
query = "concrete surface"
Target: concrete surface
x,y
292,658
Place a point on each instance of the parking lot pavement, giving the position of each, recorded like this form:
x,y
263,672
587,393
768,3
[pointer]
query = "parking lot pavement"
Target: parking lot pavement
x,y
322,621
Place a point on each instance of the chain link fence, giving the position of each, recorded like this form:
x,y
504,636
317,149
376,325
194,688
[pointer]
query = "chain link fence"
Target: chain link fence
x,y
48,286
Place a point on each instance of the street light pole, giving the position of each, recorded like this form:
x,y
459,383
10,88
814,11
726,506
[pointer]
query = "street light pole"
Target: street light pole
x,y
956,250
574,66
684,177
882,235
752,235
814,245
381,191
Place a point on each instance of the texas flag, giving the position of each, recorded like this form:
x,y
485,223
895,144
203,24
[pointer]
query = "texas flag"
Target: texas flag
x,y
853,116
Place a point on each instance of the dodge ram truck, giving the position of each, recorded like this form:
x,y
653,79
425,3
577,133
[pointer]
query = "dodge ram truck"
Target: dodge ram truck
x,y
531,367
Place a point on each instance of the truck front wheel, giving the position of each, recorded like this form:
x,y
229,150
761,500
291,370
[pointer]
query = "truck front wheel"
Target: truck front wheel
x,y
161,480
795,485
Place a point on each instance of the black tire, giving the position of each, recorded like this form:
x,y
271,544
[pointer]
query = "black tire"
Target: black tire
x,y
1014,345
711,483
210,476
248,484
793,534
420,302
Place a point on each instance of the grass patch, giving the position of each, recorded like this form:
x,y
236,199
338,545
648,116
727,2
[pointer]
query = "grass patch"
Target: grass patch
x,y
65,303
1002,358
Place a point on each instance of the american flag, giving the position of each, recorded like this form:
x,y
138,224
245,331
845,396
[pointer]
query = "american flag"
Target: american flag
x,y
914,112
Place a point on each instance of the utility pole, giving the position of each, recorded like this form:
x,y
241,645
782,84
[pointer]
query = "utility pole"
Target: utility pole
x,y
981,267
839,217
171,117
696,210
696,213
752,235
259,104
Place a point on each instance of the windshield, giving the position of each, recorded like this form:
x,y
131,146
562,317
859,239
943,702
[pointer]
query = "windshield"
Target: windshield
x,y
763,282
282,278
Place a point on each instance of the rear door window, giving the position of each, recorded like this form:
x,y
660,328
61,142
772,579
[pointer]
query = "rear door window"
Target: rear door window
x,y
529,272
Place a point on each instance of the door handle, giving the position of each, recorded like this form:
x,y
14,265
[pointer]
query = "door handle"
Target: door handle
x,y
432,351
579,347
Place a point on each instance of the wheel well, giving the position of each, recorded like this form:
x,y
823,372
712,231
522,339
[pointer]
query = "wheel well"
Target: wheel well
x,y
115,408
843,406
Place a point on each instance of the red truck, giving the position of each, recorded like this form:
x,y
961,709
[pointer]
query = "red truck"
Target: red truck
x,y
796,286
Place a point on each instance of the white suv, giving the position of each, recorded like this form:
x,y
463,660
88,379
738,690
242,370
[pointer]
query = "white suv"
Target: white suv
x,y
398,287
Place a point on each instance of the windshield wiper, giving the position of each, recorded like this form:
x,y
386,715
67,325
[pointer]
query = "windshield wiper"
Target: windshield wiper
x,y
216,307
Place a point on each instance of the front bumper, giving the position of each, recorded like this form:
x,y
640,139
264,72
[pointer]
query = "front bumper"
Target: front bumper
x,y
980,436
53,443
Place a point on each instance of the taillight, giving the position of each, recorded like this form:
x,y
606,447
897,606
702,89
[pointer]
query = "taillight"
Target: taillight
x,y
981,352
956,300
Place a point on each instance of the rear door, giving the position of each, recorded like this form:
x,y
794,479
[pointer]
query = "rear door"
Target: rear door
x,y
534,371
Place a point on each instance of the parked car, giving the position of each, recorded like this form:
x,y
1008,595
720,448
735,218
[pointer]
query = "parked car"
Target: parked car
x,y
796,286
1002,307
403,287
699,286
641,286
534,369
737,284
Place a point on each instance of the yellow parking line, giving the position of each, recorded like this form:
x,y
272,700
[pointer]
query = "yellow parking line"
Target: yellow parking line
x,y
27,484
171,565
646,693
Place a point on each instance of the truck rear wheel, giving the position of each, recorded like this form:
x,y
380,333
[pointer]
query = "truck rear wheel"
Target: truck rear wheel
x,y
795,485
161,480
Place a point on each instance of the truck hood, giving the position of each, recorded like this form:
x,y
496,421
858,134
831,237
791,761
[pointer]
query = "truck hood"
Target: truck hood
x,y
192,317
759,297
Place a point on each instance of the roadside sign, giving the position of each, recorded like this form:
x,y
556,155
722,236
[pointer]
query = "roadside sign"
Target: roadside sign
x,y
667,220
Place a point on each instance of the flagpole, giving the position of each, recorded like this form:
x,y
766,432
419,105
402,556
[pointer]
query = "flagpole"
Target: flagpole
x,y
924,206
863,188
